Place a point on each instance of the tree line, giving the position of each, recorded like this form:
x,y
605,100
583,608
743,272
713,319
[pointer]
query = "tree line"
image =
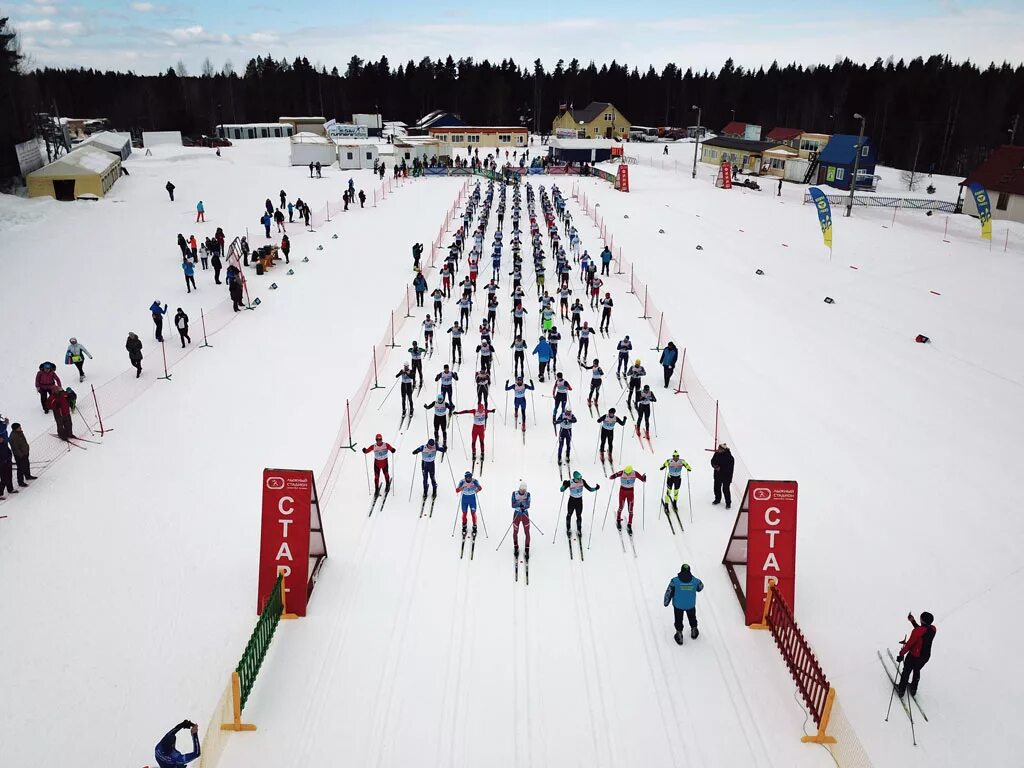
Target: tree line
x,y
947,115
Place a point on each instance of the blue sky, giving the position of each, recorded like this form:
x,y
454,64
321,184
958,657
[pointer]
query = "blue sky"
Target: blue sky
x,y
150,35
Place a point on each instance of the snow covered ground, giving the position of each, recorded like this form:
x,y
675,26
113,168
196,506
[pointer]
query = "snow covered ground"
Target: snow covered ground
x,y
131,565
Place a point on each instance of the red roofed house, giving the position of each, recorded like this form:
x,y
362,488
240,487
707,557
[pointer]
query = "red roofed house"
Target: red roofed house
x,y
1002,176
788,136
737,130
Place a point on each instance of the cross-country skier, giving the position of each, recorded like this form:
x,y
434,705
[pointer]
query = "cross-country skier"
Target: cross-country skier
x,y
405,390
416,352
576,487
675,467
166,752
380,450
518,348
456,332
596,376
479,428
521,516
486,352
606,313
553,338
468,488
438,296
427,462
595,292
441,411
624,347
518,311
543,353
560,390
915,653
519,389
564,424
577,311
446,377
608,422
634,379
626,484
563,302
483,386
682,593
643,410
428,334
584,346
723,463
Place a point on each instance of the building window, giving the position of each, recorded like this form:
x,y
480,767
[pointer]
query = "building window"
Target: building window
x,y
1003,201
840,174
369,155
519,138
277,132
348,155
264,133
609,117
456,138
473,138
505,138
252,133
864,150
778,164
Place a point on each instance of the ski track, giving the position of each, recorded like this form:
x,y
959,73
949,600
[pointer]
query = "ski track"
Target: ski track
x,y
588,694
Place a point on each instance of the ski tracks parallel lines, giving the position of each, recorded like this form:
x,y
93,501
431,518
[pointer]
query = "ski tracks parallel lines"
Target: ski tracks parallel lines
x,y
452,674
588,693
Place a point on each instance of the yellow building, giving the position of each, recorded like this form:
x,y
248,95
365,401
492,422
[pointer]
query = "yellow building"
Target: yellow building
x,y
598,120
468,136
85,171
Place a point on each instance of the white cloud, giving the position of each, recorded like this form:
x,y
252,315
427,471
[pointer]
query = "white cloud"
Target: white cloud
x,y
43,25
197,35
260,38
143,7
71,27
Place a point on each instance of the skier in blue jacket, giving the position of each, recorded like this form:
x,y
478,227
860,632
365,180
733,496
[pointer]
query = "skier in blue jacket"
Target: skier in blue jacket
x,y
682,593
166,752
543,353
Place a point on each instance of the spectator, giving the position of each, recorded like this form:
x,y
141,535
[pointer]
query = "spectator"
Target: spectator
x,y
216,263
166,752
284,198
181,323
362,199
6,468
60,403
279,220
190,275
669,355
47,382
170,190
286,248
158,318
318,169
200,212
244,246
193,248
20,449
682,593
76,355
311,170
234,279
134,347
266,221
723,462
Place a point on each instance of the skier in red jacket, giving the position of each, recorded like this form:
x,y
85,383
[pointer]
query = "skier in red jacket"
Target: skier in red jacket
x,y
380,451
915,652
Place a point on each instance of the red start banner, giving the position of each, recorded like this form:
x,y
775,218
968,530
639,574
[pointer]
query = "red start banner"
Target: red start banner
x,y
288,499
727,175
623,178
771,542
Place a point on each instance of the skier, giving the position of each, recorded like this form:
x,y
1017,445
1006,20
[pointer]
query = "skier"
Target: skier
x,y
634,378
416,352
596,376
519,401
468,488
576,486
483,386
170,190
521,516
166,752
675,467
427,462
669,355
595,292
456,332
584,346
553,338
577,311
181,323
380,451
915,653
76,355
486,352
437,295
158,318
428,334
643,410
190,275
560,392
608,422
408,378
200,212
606,313
723,462
624,347
446,377
47,382
441,411
60,403
543,353
479,428
518,348
682,593
518,311
134,347
629,478
564,424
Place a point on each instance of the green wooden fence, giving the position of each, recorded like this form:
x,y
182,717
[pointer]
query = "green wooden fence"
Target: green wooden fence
x,y
259,642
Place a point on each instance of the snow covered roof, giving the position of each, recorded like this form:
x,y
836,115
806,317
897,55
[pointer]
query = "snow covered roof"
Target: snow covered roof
x,y
304,137
581,143
79,162
108,140
783,134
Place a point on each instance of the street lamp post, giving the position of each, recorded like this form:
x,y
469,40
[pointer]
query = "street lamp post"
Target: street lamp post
x,y
696,142
856,163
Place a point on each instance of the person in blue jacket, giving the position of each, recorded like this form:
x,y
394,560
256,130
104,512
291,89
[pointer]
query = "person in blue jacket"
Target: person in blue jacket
x,y
166,752
682,593
543,353
189,270
266,221
606,260
158,318
419,284
669,355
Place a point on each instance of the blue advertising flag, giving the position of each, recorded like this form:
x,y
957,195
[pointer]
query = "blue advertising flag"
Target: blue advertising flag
x,y
824,210
984,206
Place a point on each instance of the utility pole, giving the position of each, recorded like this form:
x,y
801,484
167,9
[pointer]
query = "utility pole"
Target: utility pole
x,y
696,141
856,163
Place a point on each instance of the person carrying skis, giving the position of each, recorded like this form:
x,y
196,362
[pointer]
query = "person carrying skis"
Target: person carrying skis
x,y
643,410
624,347
419,285
674,480
75,356
521,517
446,377
560,392
915,653
158,313
669,355
181,324
518,348
407,377
417,352
456,332
166,752
543,353
606,313
380,450
564,424
608,422
723,463
427,462
519,398
626,484
634,379
682,593
468,488
479,428
441,412
576,487
584,346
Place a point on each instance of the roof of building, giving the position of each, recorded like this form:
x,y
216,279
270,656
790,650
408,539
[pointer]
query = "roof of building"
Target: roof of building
x,y
746,145
250,125
581,143
108,140
77,162
408,141
784,134
782,151
1002,171
589,112
841,148
481,128
305,137
735,127
307,119
432,118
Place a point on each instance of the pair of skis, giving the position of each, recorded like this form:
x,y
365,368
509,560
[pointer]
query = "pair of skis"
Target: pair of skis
x,y
646,436
75,441
472,545
578,537
611,467
526,566
668,515
472,466
891,674
622,541
376,495
423,504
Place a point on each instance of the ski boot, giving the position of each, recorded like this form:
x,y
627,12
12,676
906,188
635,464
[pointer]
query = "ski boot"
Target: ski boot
x,y
618,524
474,531
387,488
434,494
629,528
568,532
463,530
638,426
694,632
526,554
647,434
515,552
602,457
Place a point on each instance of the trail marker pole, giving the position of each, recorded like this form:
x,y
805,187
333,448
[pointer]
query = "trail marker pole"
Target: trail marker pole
x,y
202,316
166,375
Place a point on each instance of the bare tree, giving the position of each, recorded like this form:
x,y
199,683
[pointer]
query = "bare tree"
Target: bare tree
x,y
179,69
229,69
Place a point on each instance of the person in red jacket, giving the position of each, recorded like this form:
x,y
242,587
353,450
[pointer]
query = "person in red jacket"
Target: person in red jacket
x,y
380,451
60,404
47,382
915,652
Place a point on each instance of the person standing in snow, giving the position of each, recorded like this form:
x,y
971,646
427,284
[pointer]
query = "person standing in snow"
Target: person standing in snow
x,y
134,347
158,313
311,170
521,517
20,449
723,462
181,323
284,198
200,212
286,248
380,450
183,245
279,220
682,594
319,168
362,199
244,247
216,263
6,467
234,280
190,275
166,752
75,356
193,248
60,403
419,285
170,190
916,652
47,382
266,221
669,356
543,353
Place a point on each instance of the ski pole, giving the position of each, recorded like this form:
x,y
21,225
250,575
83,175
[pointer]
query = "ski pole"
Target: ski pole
x,y
504,415
480,509
654,415
689,498
412,477
533,406
85,421
607,507
593,510
643,510
661,500
892,694
503,537
622,443
387,395
366,466
426,423
558,517
458,504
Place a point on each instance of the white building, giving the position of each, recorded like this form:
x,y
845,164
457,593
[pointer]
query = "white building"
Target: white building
x,y
354,154
240,131
119,144
309,148
408,148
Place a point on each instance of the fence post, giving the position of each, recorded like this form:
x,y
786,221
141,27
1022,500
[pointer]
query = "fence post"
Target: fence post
x,y
767,607
679,386
99,415
822,737
645,316
618,263
284,597
392,345
408,314
661,321
376,384
236,723
351,445
632,290
328,210
202,316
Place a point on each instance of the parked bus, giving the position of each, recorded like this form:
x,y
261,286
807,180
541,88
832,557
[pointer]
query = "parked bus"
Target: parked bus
x,y
643,133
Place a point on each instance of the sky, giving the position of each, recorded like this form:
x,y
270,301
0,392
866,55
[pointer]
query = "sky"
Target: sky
x,y
147,36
